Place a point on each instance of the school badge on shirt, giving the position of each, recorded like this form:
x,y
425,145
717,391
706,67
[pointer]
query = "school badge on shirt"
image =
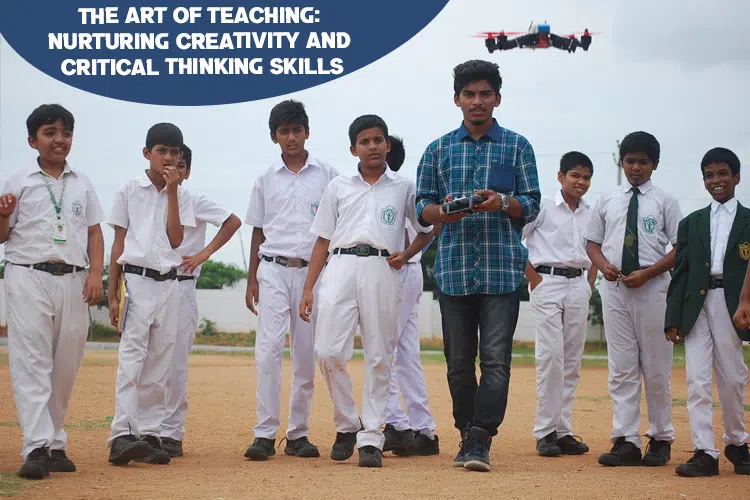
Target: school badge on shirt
x,y
314,208
649,224
76,208
388,215
745,250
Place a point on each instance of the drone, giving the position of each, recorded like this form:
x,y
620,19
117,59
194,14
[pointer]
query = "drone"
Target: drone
x,y
538,36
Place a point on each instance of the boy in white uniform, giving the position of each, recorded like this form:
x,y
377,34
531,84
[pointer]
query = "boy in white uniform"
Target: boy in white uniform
x,y
49,221
411,432
627,238
561,279
149,216
281,210
361,220
194,252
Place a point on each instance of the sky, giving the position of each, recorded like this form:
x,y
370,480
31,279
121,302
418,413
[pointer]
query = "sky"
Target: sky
x,y
664,66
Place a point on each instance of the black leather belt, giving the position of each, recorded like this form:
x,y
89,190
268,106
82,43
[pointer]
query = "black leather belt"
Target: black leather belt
x,y
286,262
56,268
715,282
362,251
568,272
181,277
150,273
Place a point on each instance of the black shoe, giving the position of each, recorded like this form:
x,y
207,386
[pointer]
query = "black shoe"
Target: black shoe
x,y
702,464
397,441
657,453
740,458
572,445
59,462
623,453
156,454
423,446
369,456
547,446
460,459
343,447
477,454
127,448
36,465
172,446
261,449
301,447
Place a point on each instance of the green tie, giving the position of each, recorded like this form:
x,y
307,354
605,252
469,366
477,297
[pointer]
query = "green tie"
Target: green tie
x,y
630,248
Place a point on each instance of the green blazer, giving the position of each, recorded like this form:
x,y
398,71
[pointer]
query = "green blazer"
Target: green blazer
x,y
689,285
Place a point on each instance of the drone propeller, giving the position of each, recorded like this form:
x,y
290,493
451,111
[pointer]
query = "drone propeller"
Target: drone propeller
x,y
495,34
582,33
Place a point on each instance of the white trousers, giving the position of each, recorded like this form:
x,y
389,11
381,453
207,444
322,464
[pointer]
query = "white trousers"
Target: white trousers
x,y
407,377
145,357
280,291
561,307
47,326
637,348
714,344
364,291
173,425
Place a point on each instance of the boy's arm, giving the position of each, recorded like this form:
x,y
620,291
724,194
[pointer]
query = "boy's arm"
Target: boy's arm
x,y
8,204
678,284
533,276
742,315
175,229
428,202
592,274
252,294
317,261
93,287
115,271
228,227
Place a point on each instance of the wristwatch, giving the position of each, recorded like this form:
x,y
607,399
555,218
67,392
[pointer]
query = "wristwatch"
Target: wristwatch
x,y
505,201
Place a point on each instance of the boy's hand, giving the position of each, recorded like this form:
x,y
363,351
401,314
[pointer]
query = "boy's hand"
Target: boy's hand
x,y
252,295
534,282
7,204
171,176
673,335
93,289
306,305
114,312
451,218
396,260
611,272
636,279
191,262
742,316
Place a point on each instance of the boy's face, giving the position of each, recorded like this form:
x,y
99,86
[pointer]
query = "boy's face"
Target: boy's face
x,y
371,147
719,181
477,101
53,142
183,170
291,138
575,182
638,168
162,156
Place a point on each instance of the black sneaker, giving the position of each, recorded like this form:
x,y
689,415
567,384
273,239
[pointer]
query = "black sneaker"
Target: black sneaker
x,y
301,447
702,464
172,446
343,447
623,453
423,446
477,446
126,449
572,445
59,462
547,446
740,458
657,453
156,454
369,456
261,449
460,459
397,441
36,465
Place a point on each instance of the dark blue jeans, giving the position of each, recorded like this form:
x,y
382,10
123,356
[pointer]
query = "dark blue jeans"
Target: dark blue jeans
x,y
495,317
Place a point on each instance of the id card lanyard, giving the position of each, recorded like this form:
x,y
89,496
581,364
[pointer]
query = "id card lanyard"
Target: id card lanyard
x,y
59,233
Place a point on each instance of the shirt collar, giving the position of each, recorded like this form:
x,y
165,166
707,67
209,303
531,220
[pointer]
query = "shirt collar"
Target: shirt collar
x,y
495,132
311,162
388,172
35,169
559,200
643,188
730,206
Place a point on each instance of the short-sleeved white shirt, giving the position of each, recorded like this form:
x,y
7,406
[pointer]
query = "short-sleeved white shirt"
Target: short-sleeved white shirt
x,y
30,240
206,212
659,216
142,210
284,205
555,237
354,212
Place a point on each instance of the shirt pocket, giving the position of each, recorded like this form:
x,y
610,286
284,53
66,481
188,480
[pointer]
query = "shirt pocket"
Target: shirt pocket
x,y
387,215
74,209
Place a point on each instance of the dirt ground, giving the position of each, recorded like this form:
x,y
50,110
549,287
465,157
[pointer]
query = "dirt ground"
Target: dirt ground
x,y
222,413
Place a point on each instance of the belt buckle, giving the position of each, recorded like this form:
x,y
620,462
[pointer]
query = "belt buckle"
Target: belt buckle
x,y
58,268
571,273
362,251
293,262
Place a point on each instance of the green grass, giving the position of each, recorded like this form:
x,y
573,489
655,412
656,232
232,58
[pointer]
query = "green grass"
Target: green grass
x,y
10,485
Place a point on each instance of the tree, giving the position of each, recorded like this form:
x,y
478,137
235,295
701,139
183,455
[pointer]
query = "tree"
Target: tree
x,y
217,275
595,305
2,270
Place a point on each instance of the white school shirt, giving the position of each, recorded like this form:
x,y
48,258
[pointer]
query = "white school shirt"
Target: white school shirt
x,y
555,237
206,211
659,216
284,205
142,210
722,218
30,241
354,212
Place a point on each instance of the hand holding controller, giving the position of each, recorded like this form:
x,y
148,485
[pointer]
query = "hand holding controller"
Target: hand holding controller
x,y
465,204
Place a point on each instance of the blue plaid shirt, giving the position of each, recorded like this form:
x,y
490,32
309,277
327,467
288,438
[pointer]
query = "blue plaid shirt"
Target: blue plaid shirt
x,y
482,253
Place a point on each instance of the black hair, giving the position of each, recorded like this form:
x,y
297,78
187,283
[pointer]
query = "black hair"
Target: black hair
x,y
476,70
573,159
166,134
187,155
721,155
363,123
48,114
641,142
396,156
289,111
